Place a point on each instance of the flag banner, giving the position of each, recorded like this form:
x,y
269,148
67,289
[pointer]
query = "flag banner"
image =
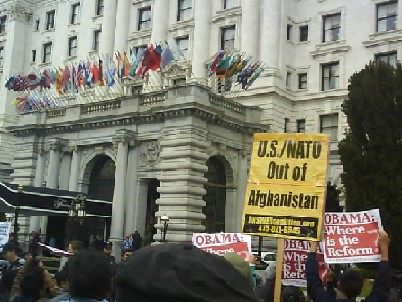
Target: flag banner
x,y
81,79
285,195
4,233
54,251
352,237
227,64
294,262
221,243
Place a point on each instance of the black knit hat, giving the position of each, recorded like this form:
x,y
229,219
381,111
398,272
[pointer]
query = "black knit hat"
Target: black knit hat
x,y
180,273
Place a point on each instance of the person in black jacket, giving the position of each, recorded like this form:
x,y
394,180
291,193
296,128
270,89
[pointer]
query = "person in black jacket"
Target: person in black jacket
x,y
8,276
107,250
351,281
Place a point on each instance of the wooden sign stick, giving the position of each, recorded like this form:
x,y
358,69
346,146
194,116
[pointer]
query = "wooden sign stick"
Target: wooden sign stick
x,y
279,263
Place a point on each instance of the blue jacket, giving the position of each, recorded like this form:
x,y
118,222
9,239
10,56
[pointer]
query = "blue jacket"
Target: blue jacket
x,y
316,291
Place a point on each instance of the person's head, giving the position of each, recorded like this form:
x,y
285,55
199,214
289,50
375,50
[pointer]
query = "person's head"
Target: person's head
x,y
31,264
107,248
125,254
240,264
270,271
11,237
33,283
180,273
75,246
351,283
10,252
292,294
90,275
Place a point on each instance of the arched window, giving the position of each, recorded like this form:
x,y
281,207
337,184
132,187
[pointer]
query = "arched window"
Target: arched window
x,y
215,197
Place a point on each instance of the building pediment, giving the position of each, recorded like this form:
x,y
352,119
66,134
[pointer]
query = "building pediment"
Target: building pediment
x,y
383,38
333,47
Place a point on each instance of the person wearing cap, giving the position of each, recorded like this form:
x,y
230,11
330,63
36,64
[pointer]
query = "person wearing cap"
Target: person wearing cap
x,y
8,276
180,273
107,250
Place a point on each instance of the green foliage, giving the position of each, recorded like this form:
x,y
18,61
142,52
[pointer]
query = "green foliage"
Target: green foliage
x,y
371,153
332,199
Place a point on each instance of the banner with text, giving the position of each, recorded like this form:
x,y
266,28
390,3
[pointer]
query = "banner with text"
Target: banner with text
x,y
4,233
294,262
221,243
352,237
285,195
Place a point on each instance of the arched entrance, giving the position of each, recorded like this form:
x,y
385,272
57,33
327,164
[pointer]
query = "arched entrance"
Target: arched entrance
x,y
101,181
215,197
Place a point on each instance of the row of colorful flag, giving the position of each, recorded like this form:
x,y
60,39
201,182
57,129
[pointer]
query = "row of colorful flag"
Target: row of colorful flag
x,y
228,64
100,72
75,78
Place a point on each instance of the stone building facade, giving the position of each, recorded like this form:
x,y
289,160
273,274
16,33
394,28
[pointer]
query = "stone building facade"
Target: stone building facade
x,y
310,49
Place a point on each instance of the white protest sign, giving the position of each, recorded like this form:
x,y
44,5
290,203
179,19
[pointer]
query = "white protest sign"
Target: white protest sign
x,y
352,237
221,243
4,233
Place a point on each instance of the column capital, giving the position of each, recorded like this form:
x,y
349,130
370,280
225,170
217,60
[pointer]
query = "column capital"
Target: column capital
x,y
124,136
70,148
55,144
18,12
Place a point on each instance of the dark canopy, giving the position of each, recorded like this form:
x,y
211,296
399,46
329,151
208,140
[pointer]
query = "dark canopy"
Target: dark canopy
x,y
44,201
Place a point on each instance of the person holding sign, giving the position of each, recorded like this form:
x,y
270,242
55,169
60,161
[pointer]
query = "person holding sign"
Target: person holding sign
x,y
351,282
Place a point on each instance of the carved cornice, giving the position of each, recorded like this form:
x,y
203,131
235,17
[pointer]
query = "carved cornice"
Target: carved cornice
x,y
203,112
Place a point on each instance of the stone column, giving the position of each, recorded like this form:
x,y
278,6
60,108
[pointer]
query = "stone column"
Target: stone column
x,y
122,19
250,27
106,43
140,211
53,171
270,29
121,141
202,19
160,21
34,223
242,164
132,191
75,164
14,54
65,170
183,165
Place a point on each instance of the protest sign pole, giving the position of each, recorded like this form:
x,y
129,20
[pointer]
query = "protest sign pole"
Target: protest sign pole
x,y
280,250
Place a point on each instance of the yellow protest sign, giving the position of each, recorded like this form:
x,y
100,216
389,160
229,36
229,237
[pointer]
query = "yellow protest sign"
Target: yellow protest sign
x,y
285,195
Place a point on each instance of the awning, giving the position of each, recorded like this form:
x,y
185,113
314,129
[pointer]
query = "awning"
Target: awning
x,y
45,202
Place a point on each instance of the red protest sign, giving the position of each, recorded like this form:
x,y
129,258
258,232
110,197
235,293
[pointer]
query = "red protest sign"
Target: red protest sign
x,y
221,243
352,237
294,262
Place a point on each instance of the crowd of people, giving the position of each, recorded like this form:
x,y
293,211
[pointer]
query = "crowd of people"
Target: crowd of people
x,y
173,272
